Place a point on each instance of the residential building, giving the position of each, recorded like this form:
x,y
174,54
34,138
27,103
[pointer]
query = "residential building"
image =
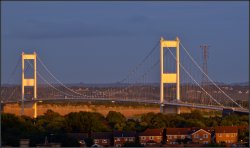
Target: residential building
x,y
227,134
177,135
79,137
102,138
201,136
24,142
151,136
120,137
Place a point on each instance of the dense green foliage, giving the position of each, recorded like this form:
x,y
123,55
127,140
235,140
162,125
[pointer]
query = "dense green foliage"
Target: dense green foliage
x,y
55,126
116,120
85,122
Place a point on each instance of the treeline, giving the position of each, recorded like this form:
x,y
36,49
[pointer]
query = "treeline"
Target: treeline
x,y
54,126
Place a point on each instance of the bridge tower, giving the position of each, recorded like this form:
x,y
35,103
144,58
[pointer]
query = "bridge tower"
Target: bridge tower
x,y
30,81
168,78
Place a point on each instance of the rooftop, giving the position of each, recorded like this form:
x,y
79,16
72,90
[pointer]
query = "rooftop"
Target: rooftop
x,y
226,129
124,134
102,135
152,132
178,131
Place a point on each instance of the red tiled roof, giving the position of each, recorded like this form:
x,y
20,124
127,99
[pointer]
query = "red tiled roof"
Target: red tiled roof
x,y
152,132
124,134
205,128
102,135
178,131
199,130
226,129
79,136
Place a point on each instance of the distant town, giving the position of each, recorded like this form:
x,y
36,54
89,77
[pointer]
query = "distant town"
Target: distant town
x,y
238,91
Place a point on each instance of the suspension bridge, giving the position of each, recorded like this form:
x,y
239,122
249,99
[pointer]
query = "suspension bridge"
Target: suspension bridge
x,y
179,83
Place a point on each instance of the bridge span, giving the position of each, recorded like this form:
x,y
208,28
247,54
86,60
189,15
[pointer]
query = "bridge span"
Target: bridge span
x,y
145,101
178,83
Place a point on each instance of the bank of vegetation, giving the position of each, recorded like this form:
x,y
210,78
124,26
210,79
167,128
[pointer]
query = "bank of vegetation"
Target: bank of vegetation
x,y
14,127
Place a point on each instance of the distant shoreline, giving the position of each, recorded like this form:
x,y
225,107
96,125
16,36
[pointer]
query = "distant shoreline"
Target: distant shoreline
x,y
126,84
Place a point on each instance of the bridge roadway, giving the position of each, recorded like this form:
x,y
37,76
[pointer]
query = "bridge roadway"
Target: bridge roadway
x,y
147,101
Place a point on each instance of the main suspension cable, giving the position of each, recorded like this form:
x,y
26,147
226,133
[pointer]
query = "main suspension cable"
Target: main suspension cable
x,y
194,79
209,77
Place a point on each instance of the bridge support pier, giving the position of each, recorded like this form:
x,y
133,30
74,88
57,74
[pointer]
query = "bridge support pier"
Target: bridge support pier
x,y
170,109
167,77
32,82
2,107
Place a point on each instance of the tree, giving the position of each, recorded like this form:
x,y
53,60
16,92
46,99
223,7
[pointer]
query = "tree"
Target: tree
x,y
147,118
243,136
158,121
130,125
85,122
99,123
141,126
116,120
12,129
178,121
153,120
50,121
196,114
194,123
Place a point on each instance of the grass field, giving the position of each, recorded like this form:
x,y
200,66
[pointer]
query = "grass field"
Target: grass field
x,y
128,110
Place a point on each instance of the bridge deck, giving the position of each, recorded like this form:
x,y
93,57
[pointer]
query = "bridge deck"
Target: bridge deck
x,y
181,104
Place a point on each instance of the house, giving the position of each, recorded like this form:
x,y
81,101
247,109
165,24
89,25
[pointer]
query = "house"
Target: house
x,y
79,137
211,130
24,142
201,136
120,137
151,136
46,144
103,139
178,135
227,134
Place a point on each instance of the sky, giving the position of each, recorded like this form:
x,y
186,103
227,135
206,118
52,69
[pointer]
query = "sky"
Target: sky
x,y
99,42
